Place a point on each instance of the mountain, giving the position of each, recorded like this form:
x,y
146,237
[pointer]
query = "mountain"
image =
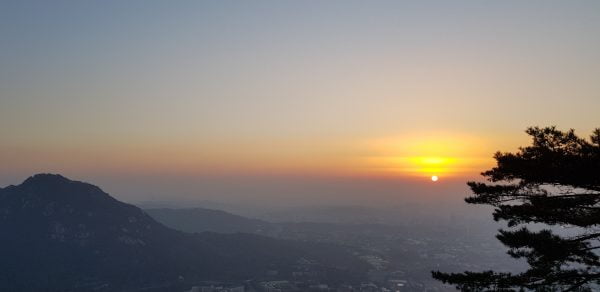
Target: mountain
x,y
63,235
202,219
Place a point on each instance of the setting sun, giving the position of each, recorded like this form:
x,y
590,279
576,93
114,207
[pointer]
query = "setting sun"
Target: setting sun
x,y
430,155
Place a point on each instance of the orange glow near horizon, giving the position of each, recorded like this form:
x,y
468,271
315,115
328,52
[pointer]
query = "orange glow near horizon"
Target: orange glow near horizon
x,y
414,156
431,166
430,155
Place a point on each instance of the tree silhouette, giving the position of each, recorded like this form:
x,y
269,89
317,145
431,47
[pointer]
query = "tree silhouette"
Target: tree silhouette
x,y
556,182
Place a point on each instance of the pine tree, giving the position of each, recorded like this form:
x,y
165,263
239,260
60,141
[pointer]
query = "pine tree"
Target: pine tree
x,y
556,182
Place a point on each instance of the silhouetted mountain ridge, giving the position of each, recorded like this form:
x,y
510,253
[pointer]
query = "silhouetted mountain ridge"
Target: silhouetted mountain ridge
x,y
66,235
202,220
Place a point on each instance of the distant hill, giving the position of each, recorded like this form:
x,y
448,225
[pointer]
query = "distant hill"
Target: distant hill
x,y
202,220
63,235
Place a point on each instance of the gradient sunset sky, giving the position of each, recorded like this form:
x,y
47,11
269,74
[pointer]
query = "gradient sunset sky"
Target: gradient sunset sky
x,y
287,99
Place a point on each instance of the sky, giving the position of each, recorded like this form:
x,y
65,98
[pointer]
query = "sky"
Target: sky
x,y
333,102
